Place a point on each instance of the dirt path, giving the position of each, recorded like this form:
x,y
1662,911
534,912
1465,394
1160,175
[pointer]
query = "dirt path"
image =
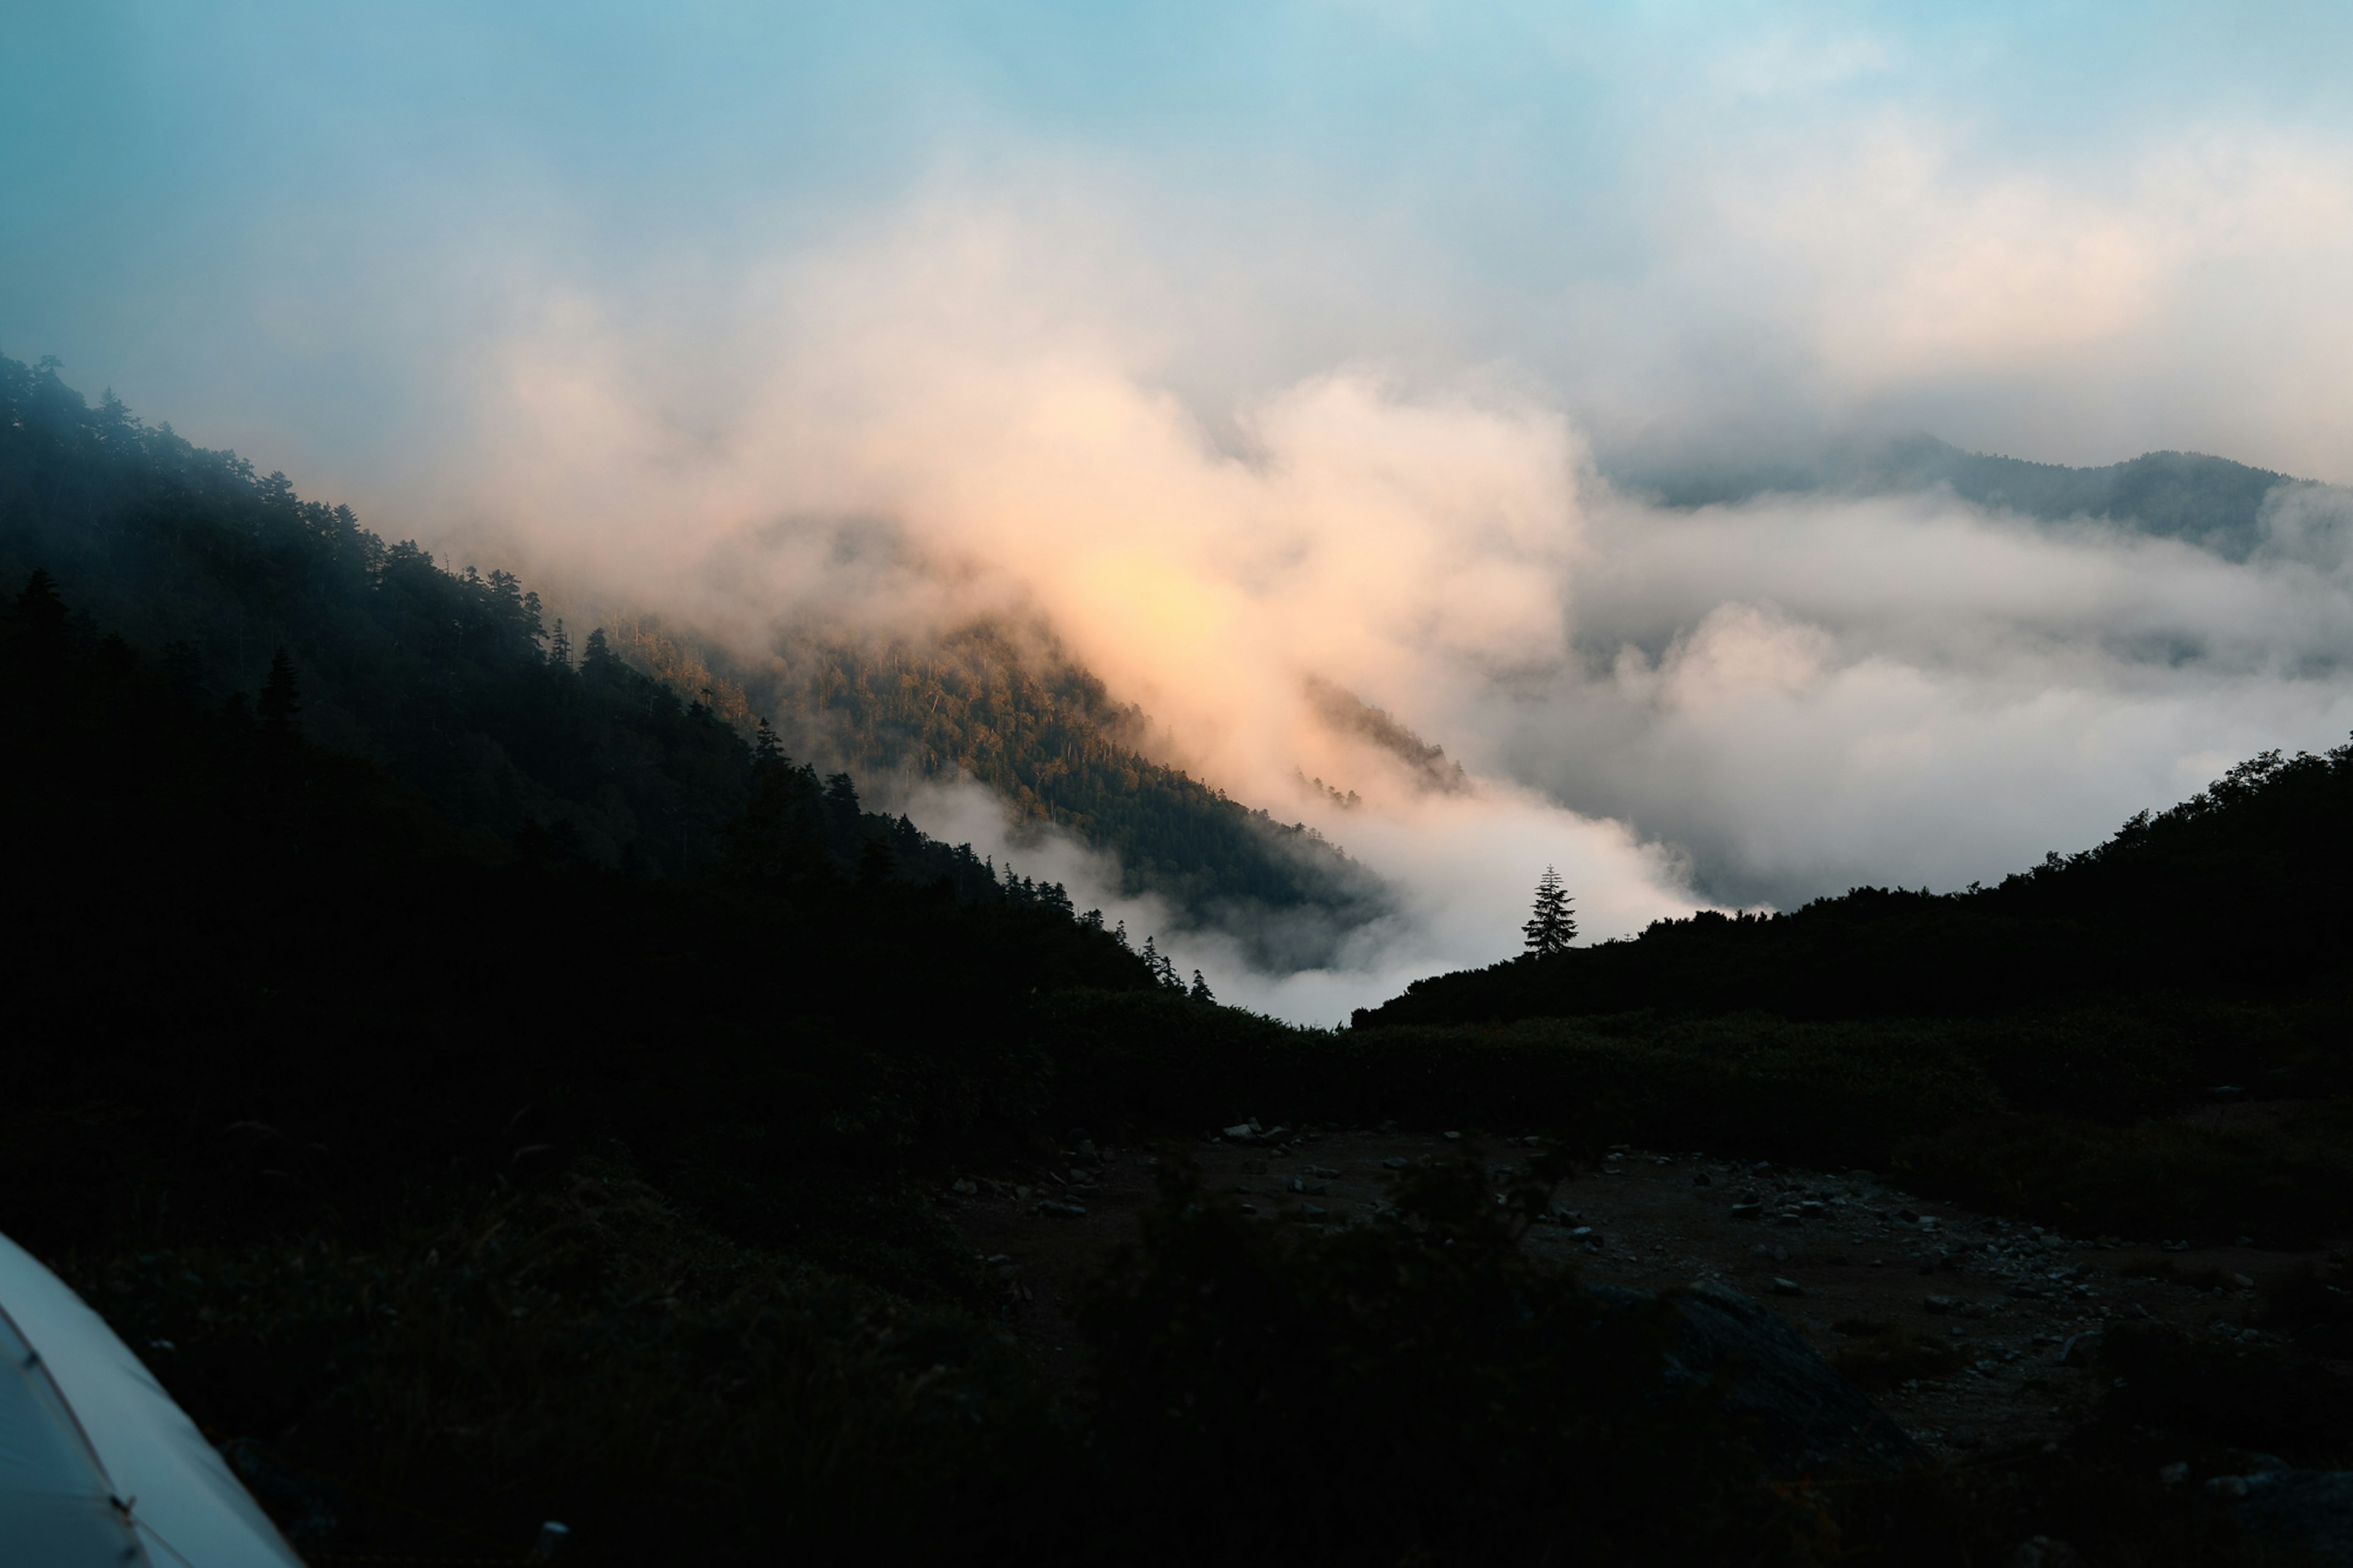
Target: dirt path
x,y
1856,1265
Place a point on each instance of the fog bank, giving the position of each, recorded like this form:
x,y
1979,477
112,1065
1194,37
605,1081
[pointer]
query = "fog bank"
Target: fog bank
x,y
1760,702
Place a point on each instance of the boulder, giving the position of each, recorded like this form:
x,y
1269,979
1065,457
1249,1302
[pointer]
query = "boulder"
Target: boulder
x,y
1804,1416
2311,1511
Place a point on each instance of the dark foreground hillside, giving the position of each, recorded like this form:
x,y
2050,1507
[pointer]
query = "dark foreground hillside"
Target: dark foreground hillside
x,y
461,1168
456,1184
459,1184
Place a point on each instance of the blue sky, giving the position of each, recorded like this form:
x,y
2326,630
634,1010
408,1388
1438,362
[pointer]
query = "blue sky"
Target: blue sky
x,y
278,221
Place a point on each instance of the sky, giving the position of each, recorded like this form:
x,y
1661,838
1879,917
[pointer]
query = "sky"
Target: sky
x,y
1251,346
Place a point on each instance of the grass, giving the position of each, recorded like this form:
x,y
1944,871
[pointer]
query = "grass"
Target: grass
x,y
2267,1396
585,1353
2165,1271
2287,1188
1889,1356
2051,1119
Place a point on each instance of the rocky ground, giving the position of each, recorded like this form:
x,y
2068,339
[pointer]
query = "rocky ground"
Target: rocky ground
x,y
1969,1330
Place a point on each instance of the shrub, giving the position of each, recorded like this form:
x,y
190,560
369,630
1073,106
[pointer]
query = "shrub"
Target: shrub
x,y
2162,1180
586,1354
1414,1389
1889,1356
2255,1396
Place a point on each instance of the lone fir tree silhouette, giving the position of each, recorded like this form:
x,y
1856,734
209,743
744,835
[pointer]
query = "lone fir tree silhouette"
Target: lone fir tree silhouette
x,y
1551,928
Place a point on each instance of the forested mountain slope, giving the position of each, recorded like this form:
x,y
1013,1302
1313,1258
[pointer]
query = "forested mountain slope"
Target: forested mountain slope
x,y
2238,892
459,685
444,679
1041,732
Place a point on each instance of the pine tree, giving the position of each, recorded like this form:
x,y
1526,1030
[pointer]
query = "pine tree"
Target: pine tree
x,y
281,704
1162,969
559,646
39,616
841,806
1551,928
1200,991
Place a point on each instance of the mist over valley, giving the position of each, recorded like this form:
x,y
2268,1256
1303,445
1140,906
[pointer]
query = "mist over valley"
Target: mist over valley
x,y
1306,783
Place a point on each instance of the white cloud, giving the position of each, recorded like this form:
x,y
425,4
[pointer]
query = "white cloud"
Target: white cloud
x,y
956,414
2184,291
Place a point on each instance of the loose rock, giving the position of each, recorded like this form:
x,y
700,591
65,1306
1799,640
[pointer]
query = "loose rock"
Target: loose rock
x,y
1807,1417
2312,1510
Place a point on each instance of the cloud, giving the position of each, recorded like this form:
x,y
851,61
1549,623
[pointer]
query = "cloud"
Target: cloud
x,y
919,387
1295,348
1892,266
960,411
1462,867
925,428
1808,692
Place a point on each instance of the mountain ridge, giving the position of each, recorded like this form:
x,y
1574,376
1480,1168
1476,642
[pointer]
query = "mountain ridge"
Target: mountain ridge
x,y
444,677
2214,503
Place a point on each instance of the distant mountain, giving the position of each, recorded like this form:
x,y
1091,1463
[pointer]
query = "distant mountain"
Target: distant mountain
x,y
2211,502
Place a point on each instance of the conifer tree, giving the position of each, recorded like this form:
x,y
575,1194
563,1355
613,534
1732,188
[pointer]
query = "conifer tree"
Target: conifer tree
x,y
281,703
40,615
1551,928
1162,969
1200,991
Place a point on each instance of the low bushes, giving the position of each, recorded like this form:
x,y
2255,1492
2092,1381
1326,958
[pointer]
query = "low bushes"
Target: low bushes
x,y
2284,1186
1831,1093
2248,1395
2064,1118
1889,1356
1415,1389
583,1353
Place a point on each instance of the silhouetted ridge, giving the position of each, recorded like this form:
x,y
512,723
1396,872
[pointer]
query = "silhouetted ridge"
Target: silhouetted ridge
x,y
2237,891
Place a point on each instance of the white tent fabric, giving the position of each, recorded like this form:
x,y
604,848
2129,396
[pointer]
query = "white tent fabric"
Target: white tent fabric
x,y
97,1465
54,1502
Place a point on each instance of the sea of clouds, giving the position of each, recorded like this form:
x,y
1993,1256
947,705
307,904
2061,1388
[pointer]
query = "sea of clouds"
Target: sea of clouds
x,y
1745,704
1292,350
